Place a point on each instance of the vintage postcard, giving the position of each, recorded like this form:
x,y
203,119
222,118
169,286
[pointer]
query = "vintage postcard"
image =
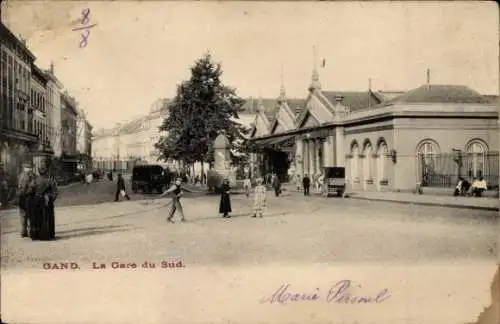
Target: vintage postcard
x,y
249,162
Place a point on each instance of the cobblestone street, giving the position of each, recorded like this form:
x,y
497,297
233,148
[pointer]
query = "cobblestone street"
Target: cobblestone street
x,y
295,228
306,242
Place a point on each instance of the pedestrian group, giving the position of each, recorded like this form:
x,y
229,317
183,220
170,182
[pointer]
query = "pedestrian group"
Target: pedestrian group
x,y
36,195
259,204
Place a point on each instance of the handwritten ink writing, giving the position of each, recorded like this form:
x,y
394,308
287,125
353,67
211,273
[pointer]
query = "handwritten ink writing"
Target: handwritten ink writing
x,y
85,30
85,18
282,296
85,37
339,293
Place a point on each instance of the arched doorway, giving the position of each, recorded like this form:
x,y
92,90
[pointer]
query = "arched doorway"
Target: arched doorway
x,y
354,164
476,159
367,165
427,152
381,163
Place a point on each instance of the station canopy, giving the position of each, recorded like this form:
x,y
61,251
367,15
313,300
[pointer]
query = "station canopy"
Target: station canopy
x,y
281,143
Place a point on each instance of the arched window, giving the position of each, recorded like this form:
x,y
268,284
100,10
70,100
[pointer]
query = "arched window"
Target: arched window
x,y
426,153
368,152
382,152
354,162
475,158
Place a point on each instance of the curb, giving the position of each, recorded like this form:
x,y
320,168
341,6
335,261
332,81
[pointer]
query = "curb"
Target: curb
x,y
423,203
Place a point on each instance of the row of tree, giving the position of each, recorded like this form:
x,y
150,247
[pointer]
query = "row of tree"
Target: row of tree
x,y
202,109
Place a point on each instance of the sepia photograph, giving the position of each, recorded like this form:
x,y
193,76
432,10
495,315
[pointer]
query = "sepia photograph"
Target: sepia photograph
x,y
249,162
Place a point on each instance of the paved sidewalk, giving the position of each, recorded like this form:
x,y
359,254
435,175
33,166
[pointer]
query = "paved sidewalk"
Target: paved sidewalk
x,y
484,203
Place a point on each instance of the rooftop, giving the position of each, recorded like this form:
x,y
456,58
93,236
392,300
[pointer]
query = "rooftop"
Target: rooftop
x,y
440,93
5,30
354,100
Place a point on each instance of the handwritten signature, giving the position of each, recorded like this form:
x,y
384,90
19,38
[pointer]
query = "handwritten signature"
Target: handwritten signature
x,y
340,293
85,29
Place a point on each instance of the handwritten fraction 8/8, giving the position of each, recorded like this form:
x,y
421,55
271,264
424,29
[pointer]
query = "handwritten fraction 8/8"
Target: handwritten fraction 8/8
x,y
85,28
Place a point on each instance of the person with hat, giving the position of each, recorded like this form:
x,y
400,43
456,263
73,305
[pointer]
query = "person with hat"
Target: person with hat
x,y
41,208
120,188
260,198
225,200
23,187
176,189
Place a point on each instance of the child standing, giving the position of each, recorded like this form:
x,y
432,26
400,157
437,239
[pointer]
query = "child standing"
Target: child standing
x,y
260,198
247,185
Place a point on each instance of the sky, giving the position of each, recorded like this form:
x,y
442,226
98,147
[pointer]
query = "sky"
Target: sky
x,y
139,51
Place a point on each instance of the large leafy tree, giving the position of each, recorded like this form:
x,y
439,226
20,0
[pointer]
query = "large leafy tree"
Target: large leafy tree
x,y
202,109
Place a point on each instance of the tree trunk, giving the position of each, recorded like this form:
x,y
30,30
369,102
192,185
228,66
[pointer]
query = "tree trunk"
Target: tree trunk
x,y
202,171
193,175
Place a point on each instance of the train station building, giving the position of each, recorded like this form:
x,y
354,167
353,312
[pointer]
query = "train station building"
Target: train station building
x,y
387,141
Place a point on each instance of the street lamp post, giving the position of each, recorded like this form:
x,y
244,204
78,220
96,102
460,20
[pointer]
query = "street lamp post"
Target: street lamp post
x,y
458,159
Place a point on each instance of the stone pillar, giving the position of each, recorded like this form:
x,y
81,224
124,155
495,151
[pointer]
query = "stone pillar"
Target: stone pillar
x,y
222,160
312,147
326,151
319,144
305,156
299,155
252,165
339,147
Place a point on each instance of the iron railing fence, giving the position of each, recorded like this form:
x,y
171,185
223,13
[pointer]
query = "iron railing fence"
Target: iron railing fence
x,y
443,170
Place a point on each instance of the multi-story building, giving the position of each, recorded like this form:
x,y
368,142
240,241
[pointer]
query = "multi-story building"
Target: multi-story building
x,y
133,142
38,109
69,116
53,111
84,140
105,148
38,103
17,137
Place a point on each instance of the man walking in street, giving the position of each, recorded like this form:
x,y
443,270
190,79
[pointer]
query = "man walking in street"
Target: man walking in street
x,y
276,184
120,188
176,189
4,190
306,183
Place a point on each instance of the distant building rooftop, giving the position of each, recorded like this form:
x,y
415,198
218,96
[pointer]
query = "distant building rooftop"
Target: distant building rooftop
x,y
436,93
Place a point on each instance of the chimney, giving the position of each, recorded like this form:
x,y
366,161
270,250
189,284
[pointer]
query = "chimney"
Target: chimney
x,y
428,76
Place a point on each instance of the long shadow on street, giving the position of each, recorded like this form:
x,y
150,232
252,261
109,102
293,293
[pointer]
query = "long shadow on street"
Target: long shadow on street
x,y
91,231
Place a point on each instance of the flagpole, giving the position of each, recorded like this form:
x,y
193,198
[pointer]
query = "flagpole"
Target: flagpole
x,y
369,93
314,56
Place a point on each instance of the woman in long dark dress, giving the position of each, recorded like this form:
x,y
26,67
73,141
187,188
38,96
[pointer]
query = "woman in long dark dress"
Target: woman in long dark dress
x,y
225,200
34,209
52,196
41,208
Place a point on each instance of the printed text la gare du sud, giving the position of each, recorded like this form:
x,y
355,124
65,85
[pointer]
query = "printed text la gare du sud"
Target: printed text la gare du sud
x,y
164,264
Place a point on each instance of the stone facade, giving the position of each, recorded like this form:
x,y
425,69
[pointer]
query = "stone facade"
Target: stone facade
x,y
387,141
133,142
17,137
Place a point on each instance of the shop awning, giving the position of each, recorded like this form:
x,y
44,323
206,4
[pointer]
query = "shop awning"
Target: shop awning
x,y
280,143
